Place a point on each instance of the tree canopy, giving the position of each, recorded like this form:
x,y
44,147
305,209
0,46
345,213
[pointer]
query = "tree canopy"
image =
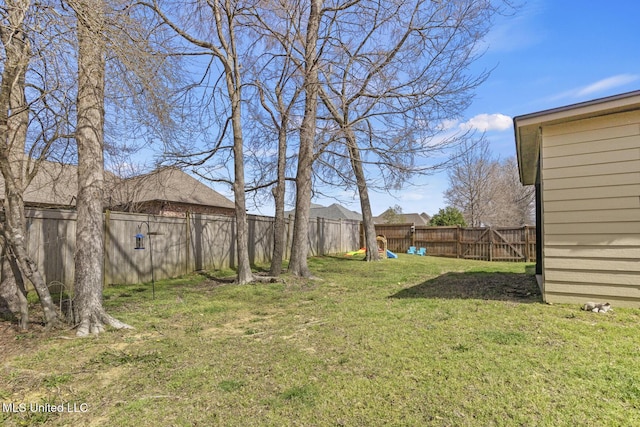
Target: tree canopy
x,y
448,216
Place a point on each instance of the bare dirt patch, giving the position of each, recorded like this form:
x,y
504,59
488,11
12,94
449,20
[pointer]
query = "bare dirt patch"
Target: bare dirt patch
x,y
14,342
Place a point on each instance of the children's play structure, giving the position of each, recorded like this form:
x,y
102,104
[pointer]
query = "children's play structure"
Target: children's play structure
x,y
360,251
386,253
382,249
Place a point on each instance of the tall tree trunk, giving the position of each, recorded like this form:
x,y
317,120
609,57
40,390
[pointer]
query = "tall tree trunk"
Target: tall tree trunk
x,y
16,235
355,158
242,238
278,195
371,243
90,314
234,89
14,121
225,50
300,246
13,294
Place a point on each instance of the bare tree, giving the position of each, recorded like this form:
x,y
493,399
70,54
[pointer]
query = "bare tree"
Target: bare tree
x,y
279,192
17,170
304,47
90,313
487,191
212,31
143,72
388,74
279,110
393,72
513,204
300,248
13,293
38,100
275,79
471,182
291,29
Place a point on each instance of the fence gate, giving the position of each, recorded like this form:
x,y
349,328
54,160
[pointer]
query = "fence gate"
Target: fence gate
x,y
494,244
488,244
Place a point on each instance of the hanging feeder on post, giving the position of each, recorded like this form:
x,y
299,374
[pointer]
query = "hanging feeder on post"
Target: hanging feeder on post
x,y
140,245
139,241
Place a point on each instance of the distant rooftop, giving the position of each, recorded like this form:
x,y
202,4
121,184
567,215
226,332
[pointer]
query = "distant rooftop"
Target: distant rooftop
x,y
56,185
168,184
334,211
402,218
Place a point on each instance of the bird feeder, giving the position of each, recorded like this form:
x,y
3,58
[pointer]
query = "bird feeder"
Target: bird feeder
x,y
139,241
140,245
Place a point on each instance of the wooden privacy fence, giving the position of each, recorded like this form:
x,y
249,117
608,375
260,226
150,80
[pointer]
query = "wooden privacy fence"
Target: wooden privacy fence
x,y
489,244
180,245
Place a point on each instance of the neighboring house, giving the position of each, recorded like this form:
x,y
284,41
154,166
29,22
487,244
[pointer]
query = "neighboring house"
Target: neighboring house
x,y
54,186
167,191
391,217
334,211
584,160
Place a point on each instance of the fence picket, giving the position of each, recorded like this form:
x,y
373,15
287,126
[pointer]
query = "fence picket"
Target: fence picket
x,y
182,245
489,244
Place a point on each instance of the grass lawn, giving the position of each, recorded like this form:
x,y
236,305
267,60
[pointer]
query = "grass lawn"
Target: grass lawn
x,y
415,341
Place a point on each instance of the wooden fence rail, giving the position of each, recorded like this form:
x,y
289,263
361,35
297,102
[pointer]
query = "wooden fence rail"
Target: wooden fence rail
x,y
206,242
180,245
490,244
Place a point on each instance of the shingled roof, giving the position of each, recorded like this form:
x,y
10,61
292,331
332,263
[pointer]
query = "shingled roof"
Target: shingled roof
x,y
167,184
56,185
334,211
402,218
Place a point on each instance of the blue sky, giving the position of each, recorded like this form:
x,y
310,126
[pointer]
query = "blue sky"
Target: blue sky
x,y
550,54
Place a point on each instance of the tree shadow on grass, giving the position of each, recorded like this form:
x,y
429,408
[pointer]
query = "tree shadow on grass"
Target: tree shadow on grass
x,y
516,287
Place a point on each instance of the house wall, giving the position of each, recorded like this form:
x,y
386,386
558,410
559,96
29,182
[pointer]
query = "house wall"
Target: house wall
x,y
590,173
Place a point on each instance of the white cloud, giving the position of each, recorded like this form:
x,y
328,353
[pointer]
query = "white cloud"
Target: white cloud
x,y
448,124
452,129
488,122
608,83
599,86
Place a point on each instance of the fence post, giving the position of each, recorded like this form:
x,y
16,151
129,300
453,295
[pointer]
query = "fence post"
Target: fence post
x,y
527,255
287,245
319,245
458,241
490,244
188,242
105,255
413,235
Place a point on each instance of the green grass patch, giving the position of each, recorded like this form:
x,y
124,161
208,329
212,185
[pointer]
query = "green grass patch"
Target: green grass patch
x,y
230,385
302,394
118,358
415,341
